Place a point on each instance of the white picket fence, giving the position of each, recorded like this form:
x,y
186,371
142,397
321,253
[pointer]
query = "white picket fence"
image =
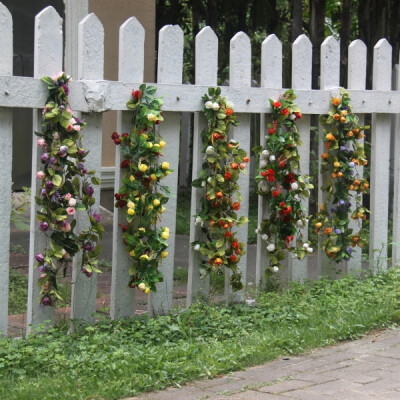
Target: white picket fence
x,y
91,95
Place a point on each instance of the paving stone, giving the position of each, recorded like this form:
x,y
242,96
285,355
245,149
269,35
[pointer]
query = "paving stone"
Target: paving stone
x,y
391,395
208,383
350,376
384,374
304,394
313,377
339,385
254,395
378,361
285,386
350,395
377,387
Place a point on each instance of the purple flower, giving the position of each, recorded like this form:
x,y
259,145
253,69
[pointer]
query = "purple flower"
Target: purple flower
x,y
87,189
46,301
80,165
43,192
351,164
44,157
88,246
338,231
49,185
349,250
97,217
53,160
341,202
81,152
66,88
343,148
86,272
43,226
39,258
41,268
63,149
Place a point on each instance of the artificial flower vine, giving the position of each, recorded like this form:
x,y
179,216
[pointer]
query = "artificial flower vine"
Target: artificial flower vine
x,y
140,195
66,189
281,184
343,154
223,162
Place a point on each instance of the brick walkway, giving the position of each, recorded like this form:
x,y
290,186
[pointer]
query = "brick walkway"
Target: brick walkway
x,y
364,369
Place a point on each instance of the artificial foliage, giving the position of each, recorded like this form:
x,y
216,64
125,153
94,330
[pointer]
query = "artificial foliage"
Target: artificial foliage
x,y
343,185
141,196
66,189
223,163
282,185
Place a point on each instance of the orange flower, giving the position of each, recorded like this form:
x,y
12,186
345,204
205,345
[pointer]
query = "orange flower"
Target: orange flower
x,y
335,101
336,117
324,156
219,195
365,185
340,174
218,261
235,165
236,206
246,159
329,136
229,112
350,134
333,175
233,258
343,119
328,230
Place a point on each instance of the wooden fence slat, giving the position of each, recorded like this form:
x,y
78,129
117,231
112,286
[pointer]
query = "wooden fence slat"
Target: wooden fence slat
x,y
206,69
90,66
380,155
301,79
356,78
130,68
330,78
170,69
396,179
271,76
6,68
240,76
48,57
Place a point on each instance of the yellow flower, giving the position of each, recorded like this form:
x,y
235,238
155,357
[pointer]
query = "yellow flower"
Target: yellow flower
x,y
165,165
143,167
131,204
149,145
166,229
131,211
162,209
131,178
132,253
142,286
145,136
156,202
164,254
336,164
153,177
165,235
147,290
142,229
162,144
167,172
344,113
144,257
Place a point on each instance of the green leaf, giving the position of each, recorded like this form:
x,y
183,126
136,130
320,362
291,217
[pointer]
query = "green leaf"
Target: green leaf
x,y
57,180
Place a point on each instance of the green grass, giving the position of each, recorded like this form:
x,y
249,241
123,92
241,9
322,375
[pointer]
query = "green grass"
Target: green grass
x,y
18,292
117,359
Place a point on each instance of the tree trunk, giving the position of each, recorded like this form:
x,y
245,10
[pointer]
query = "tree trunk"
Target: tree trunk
x,y
297,19
345,30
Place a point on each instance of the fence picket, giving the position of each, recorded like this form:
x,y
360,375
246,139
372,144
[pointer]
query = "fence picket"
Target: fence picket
x,y
380,155
357,70
396,172
240,76
330,74
90,66
206,69
271,76
130,69
47,61
301,79
6,68
170,69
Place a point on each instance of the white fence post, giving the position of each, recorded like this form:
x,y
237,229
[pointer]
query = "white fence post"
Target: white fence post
x,y
206,69
330,77
240,76
301,79
170,68
396,184
380,155
131,69
271,76
90,66
47,61
6,68
356,77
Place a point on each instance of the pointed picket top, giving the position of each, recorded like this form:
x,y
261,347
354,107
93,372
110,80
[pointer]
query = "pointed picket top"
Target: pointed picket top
x,y
90,48
206,59
240,60
131,51
170,55
301,63
48,53
382,70
271,62
6,34
330,63
357,65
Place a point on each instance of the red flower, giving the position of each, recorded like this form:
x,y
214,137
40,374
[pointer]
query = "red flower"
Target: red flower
x,y
282,204
246,159
277,104
125,164
117,141
121,203
235,165
270,171
298,114
235,245
227,175
229,112
125,135
271,131
282,164
216,136
236,206
275,193
264,174
227,234
271,178
136,94
233,258
114,135
285,111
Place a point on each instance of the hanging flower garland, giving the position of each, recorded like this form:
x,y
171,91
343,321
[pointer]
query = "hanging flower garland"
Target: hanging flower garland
x,y
343,154
224,160
281,184
140,194
66,189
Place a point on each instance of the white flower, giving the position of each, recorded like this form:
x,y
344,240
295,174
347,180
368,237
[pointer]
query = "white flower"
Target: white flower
x,y
151,117
257,231
294,185
310,249
292,117
275,268
208,104
263,186
72,202
229,104
142,286
272,158
306,245
263,164
196,247
271,247
210,150
199,221
203,183
265,153
264,237
215,106
299,223
209,179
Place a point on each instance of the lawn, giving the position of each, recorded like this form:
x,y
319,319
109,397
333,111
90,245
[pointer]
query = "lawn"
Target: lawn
x,y
117,359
